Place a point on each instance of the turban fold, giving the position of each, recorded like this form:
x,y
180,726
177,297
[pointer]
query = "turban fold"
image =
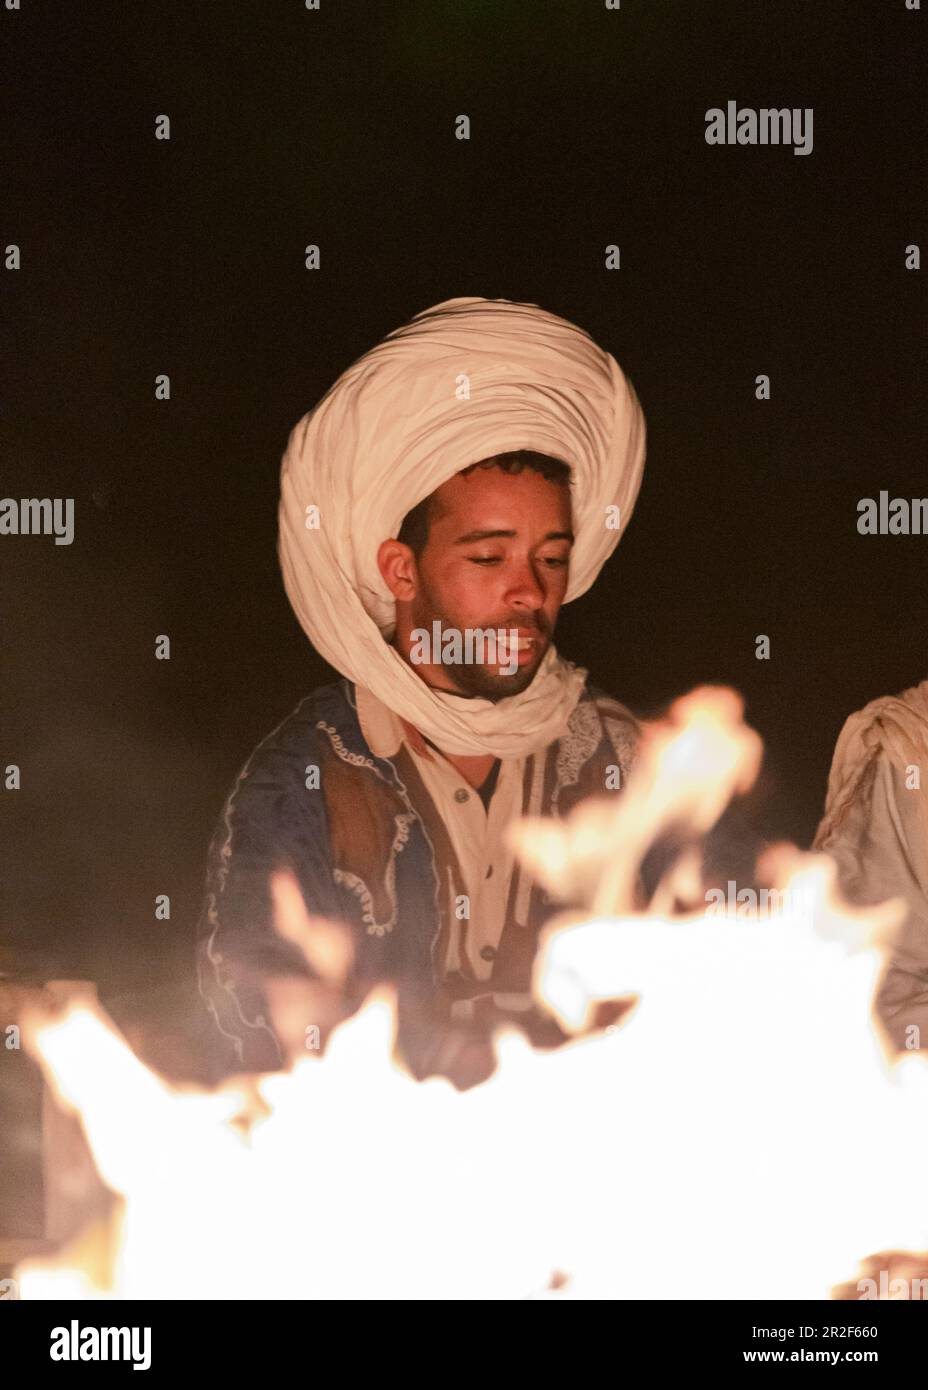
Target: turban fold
x,y
460,382
895,726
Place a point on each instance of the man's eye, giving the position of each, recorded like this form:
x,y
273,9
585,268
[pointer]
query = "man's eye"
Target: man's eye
x,y
554,561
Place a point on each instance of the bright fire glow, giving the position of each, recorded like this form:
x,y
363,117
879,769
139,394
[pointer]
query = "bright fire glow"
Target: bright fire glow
x,y
740,1135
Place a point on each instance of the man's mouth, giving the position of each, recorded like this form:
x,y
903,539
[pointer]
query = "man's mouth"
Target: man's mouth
x,y
524,647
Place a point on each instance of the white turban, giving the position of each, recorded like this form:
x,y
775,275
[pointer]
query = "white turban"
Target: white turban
x,y
461,382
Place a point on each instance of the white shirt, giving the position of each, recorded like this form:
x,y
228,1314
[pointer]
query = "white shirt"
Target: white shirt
x,y
881,853
477,835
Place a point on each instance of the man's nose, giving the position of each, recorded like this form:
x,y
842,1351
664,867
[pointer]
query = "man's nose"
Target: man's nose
x,y
526,589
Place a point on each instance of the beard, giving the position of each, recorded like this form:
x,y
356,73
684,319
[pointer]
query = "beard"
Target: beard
x,y
487,681
484,680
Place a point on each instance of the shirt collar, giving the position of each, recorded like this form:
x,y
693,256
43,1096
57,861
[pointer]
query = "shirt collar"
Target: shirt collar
x,y
383,729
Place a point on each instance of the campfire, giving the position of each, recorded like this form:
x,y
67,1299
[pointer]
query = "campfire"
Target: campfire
x,y
726,1138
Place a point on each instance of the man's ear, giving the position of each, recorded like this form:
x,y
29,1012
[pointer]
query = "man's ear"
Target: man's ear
x,y
397,565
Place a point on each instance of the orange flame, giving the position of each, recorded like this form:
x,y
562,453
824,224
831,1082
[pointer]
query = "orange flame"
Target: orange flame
x,y
727,1141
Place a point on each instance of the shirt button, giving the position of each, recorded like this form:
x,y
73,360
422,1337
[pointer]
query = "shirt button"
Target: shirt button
x,y
460,794
488,953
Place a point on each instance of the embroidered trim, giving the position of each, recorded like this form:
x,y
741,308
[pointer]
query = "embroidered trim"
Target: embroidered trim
x,y
335,738
363,893
361,890
452,961
624,741
207,950
413,815
583,736
402,832
539,762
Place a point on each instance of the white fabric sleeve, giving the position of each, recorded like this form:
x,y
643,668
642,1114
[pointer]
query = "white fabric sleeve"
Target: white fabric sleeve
x,y
881,853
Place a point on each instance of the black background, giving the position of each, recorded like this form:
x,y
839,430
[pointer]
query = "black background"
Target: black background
x,y
336,127
241,1337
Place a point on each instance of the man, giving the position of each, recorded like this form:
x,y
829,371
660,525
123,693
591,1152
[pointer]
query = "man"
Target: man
x,y
470,474
875,827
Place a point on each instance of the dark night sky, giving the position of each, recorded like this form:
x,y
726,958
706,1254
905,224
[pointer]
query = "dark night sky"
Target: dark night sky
x,y
186,257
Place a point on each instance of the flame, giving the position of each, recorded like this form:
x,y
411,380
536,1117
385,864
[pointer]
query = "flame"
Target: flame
x,y
729,1140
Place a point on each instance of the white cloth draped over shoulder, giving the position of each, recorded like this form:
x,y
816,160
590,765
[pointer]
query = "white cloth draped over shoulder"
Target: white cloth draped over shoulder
x,y
893,725
462,381
875,827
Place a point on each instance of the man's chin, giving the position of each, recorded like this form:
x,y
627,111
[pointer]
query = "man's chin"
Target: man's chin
x,y
495,684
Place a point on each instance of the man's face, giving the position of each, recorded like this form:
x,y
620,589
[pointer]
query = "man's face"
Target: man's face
x,y
496,557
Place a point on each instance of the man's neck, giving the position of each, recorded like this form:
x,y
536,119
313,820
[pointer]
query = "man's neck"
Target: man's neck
x,y
475,771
